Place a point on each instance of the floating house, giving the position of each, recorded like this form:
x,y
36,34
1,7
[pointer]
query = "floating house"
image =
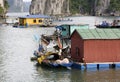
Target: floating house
x,y
95,45
12,18
67,29
41,20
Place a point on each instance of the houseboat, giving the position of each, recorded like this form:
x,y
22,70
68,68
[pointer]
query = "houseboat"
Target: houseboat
x,y
12,18
67,29
40,20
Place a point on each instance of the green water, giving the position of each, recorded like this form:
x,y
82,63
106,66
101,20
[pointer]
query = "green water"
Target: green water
x,y
17,46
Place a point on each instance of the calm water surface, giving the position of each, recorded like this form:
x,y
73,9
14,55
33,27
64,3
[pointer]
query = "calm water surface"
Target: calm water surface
x,y
17,46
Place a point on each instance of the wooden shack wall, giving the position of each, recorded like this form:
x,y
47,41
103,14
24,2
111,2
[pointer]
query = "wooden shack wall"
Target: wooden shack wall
x,y
76,42
101,50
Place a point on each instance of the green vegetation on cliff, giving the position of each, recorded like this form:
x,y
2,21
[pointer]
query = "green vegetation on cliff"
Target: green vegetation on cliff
x,y
6,5
79,6
114,5
3,10
89,6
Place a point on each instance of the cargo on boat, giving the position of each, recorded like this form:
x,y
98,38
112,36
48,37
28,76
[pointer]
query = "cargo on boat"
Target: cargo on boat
x,y
51,52
40,20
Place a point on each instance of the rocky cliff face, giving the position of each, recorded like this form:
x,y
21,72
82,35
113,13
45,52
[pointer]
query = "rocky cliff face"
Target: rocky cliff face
x,y
85,7
2,3
49,7
15,5
3,8
26,6
101,6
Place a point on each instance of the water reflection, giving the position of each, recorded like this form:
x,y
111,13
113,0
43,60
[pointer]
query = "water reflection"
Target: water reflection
x,y
54,75
101,76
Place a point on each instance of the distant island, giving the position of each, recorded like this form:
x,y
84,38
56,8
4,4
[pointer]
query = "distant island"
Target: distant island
x,y
13,6
18,6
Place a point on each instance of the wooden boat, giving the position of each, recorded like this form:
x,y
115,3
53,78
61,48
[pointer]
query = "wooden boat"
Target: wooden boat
x,y
51,63
55,58
100,26
114,24
52,60
16,25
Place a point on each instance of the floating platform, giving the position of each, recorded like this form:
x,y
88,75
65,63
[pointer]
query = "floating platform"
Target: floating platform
x,y
113,65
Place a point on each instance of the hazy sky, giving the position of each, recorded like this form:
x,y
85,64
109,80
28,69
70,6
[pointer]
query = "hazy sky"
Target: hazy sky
x,y
26,0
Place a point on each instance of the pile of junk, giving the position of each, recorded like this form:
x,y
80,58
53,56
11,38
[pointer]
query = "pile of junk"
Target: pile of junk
x,y
51,51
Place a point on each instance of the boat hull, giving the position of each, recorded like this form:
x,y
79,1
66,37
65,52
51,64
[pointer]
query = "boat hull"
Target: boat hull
x,y
49,63
100,26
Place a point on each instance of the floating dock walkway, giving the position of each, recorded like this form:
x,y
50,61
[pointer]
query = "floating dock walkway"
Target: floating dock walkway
x,y
85,66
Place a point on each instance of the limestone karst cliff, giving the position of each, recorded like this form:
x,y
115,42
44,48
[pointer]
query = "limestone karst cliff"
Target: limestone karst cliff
x,y
84,7
95,7
49,7
15,5
101,7
2,3
3,7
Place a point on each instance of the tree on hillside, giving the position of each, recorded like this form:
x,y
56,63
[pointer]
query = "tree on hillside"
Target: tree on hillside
x,y
6,5
1,11
114,5
81,6
89,6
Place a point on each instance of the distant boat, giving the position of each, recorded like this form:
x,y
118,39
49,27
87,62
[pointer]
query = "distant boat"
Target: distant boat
x,y
100,26
115,24
17,25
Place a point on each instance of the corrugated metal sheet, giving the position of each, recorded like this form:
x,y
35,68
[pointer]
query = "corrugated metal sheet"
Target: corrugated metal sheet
x,y
95,34
99,33
35,16
73,27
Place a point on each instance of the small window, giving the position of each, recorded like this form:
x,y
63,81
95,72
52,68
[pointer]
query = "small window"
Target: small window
x,y
40,21
34,21
77,51
63,29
